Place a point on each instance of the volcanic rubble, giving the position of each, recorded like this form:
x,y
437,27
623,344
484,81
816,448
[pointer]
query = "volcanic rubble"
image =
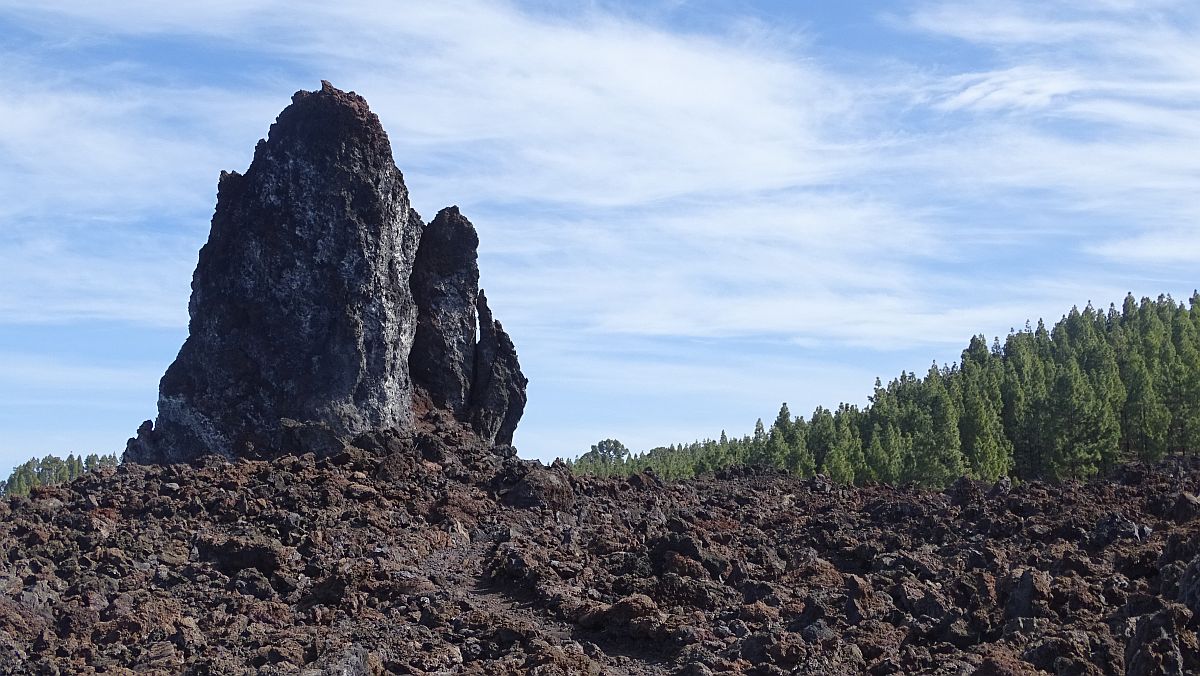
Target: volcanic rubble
x,y
431,554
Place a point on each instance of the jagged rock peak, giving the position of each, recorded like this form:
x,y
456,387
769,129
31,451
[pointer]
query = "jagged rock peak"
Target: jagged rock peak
x,y
301,311
320,297
445,282
331,118
498,395
473,374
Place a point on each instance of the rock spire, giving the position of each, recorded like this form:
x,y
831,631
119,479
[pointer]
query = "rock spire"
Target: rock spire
x,y
474,376
316,278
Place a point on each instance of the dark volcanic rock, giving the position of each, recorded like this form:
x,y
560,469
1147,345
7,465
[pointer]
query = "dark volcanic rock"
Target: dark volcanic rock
x,y
390,558
299,304
478,380
498,393
306,298
1162,644
445,284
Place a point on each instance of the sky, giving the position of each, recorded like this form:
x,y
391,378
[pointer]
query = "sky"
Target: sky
x,y
689,211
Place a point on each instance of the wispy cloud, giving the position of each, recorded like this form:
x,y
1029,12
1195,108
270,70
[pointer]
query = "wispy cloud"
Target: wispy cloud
x,y
31,372
634,180
1089,111
69,275
1179,246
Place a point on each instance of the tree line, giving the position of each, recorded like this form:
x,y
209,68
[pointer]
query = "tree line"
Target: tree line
x,y
52,470
1098,389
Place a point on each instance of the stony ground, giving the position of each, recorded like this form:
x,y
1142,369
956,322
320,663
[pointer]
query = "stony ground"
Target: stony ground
x,y
425,556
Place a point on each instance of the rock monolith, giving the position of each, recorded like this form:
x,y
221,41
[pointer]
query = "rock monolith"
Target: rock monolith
x,y
303,314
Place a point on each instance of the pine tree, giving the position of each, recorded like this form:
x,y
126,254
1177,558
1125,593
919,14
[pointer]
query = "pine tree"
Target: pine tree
x,y
777,450
1025,395
883,459
1186,419
759,451
1179,392
1085,430
937,451
799,459
822,435
608,457
1145,418
988,453
784,443
849,426
783,421
844,459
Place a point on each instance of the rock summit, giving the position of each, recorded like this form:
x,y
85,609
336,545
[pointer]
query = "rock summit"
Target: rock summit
x,y
323,307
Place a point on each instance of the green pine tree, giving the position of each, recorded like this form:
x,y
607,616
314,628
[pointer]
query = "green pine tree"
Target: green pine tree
x,y
1085,430
987,450
822,435
883,455
937,449
1144,418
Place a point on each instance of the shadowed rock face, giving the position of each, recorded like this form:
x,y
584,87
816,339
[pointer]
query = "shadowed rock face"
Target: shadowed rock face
x,y
302,314
476,379
445,283
498,393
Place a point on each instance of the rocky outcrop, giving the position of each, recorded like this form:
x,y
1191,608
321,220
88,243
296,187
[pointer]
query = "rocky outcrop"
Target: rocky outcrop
x,y
445,283
299,305
474,376
498,394
303,315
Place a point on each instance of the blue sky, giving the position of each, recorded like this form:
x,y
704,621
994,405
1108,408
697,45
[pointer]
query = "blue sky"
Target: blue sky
x,y
689,211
